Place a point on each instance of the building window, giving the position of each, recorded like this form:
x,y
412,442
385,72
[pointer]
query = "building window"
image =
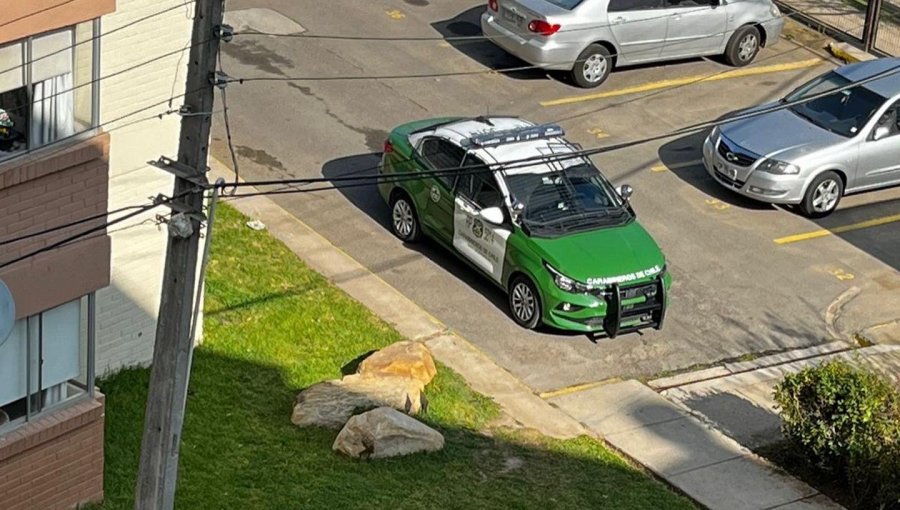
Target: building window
x,y
47,361
47,87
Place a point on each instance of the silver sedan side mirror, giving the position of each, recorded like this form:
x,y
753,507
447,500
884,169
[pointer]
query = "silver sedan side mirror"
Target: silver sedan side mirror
x,y
881,132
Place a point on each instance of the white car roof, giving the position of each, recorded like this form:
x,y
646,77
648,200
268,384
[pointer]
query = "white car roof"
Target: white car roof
x,y
460,132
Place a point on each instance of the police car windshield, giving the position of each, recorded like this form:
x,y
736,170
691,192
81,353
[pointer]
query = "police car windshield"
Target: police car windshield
x,y
577,198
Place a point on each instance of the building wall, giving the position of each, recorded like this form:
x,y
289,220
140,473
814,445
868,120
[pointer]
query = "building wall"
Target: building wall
x,y
39,192
55,462
127,309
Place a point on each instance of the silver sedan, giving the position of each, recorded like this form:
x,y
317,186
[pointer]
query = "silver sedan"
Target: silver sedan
x,y
814,152
590,37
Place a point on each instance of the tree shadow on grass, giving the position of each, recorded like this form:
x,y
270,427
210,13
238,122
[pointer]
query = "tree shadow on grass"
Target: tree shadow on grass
x,y
240,450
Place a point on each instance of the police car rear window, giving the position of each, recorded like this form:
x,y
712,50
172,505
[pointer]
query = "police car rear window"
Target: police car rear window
x,y
566,4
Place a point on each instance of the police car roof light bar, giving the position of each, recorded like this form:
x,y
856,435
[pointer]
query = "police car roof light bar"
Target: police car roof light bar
x,y
495,138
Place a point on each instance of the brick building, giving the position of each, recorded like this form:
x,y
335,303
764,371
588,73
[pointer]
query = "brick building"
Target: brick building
x,y
72,75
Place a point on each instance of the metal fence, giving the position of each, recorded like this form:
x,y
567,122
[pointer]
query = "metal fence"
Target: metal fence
x,y
873,25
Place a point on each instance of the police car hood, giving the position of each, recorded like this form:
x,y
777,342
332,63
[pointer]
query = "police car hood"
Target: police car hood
x,y
610,255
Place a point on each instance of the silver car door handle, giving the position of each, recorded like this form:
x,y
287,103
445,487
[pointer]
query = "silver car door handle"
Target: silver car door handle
x,y
619,20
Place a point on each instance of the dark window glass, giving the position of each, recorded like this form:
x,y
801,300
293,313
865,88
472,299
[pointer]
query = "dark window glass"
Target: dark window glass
x,y
479,186
690,3
633,5
442,155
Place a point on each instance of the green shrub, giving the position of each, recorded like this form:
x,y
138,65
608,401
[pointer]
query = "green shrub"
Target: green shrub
x,y
847,421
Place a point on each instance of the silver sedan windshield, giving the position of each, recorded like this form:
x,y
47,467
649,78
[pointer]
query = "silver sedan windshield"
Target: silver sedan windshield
x,y
844,112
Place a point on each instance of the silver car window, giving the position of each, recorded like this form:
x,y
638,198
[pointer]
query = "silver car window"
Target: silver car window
x,y
633,5
566,4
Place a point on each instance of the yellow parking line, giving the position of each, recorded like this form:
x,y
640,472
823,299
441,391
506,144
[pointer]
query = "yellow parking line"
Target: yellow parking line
x,y
575,389
684,164
663,84
884,220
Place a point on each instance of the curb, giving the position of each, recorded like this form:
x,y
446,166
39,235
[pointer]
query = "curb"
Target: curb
x,y
848,53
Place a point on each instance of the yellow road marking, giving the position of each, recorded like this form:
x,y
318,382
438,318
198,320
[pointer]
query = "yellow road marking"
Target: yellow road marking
x,y
664,84
574,389
840,274
445,44
662,167
815,234
717,204
395,14
599,133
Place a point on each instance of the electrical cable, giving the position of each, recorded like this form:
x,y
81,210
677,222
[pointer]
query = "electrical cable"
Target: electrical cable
x,y
96,37
35,13
530,161
234,160
66,225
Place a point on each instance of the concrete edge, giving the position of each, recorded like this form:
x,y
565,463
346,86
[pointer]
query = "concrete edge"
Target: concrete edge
x,y
410,320
848,53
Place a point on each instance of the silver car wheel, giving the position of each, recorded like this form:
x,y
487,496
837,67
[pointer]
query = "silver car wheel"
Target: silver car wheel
x,y
748,46
595,68
403,218
826,196
523,302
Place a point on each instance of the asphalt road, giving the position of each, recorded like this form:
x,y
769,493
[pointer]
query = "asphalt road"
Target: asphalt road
x,y
737,291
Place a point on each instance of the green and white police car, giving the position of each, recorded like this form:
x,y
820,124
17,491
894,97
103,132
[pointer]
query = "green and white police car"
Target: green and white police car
x,y
517,202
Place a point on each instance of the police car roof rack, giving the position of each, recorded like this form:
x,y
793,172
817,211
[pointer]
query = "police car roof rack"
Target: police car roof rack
x,y
525,134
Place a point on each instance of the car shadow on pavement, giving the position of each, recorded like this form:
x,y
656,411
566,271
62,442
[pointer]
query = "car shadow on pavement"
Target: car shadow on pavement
x,y
365,197
683,158
486,53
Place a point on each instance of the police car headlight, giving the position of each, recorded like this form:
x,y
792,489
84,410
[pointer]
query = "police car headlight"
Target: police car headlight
x,y
773,166
567,284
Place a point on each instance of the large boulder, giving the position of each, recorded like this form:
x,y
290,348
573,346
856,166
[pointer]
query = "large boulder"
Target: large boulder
x,y
331,403
405,359
386,432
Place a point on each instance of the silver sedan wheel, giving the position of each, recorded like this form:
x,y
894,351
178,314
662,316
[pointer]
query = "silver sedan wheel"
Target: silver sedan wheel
x,y
595,68
748,46
826,196
403,218
523,302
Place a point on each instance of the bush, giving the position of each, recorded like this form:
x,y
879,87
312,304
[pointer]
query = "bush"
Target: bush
x,y
847,422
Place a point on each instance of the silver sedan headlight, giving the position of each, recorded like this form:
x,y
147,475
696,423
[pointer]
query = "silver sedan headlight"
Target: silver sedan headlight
x,y
773,166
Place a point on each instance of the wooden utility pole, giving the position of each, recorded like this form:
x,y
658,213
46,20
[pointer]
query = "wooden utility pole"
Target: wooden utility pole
x,y
155,488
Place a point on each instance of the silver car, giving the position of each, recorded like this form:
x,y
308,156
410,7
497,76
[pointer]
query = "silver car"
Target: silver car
x,y
815,152
590,37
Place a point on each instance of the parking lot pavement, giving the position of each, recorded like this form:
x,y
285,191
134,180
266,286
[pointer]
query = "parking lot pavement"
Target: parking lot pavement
x,y
736,290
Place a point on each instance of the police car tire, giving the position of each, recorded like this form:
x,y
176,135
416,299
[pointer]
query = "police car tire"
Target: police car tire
x,y
578,69
415,232
535,320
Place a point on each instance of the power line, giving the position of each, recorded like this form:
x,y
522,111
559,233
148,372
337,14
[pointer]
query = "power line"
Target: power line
x,y
531,160
105,77
95,37
66,225
529,67
479,38
35,13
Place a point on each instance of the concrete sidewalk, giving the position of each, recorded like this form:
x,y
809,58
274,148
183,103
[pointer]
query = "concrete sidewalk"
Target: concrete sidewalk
x,y
742,405
701,461
696,458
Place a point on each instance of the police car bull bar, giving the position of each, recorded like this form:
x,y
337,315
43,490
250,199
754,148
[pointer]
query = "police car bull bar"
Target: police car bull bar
x,y
649,314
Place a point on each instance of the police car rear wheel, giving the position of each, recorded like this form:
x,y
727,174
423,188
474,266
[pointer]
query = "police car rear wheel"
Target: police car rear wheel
x,y
524,302
404,223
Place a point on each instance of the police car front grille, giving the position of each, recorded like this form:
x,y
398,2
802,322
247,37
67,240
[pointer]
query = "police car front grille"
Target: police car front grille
x,y
734,154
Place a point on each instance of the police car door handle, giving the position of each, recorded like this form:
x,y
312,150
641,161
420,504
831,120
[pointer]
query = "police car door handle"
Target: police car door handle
x,y
619,20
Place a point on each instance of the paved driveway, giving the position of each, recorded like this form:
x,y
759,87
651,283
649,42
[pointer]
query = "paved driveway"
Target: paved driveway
x,y
736,290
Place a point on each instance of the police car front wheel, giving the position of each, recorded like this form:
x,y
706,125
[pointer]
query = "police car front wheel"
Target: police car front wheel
x,y
524,302
404,222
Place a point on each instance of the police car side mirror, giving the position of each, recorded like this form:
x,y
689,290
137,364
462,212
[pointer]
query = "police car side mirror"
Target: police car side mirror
x,y
493,215
625,191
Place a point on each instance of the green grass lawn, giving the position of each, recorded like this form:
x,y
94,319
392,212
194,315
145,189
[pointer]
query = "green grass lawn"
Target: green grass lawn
x,y
273,327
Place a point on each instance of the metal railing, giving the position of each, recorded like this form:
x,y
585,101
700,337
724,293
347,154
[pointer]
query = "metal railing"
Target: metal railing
x,y
872,25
